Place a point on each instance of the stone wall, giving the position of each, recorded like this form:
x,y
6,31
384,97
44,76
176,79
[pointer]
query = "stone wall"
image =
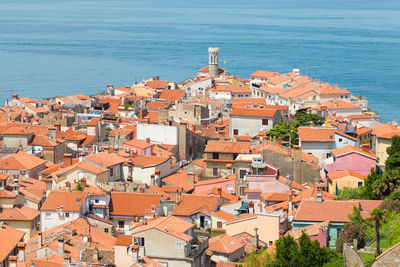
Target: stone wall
x,y
304,172
351,257
390,258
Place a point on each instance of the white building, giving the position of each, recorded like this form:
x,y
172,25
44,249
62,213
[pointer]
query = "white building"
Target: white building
x,y
61,207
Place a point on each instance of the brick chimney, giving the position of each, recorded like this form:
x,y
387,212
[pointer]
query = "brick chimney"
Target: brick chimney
x,y
67,159
57,125
256,238
14,96
319,194
21,252
52,133
60,245
191,177
40,240
12,261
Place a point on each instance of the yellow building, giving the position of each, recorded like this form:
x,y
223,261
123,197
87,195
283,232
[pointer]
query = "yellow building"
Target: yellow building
x,y
382,139
22,218
341,179
218,220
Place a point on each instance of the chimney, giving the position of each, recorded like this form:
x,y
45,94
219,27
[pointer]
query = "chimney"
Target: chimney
x,y
135,254
256,239
12,261
52,134
14,96
319,194
83,181
21,252
95,255
67,261
152,179
365,147
191,177
148,140
60,245
67,159
40,240
297,168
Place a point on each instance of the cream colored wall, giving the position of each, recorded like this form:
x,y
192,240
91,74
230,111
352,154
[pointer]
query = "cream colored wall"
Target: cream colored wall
x,y
7,203
381,145
122,258
214,222
27,226
156,241
15,141
347,181
268,227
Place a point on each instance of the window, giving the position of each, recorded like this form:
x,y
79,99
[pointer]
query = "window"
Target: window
x,y
360,183
178,245
26,202
242,190
235,132
67,215
229,187
48,215
341,96
215,155
105,230
140,241
235,155
242,173
219,225
328,155
111,172
340,140
121,224
215,171
264,121
96,201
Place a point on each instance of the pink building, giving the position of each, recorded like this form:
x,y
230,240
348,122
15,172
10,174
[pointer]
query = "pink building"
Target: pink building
x,y
349,157
139,147
318,231
225,183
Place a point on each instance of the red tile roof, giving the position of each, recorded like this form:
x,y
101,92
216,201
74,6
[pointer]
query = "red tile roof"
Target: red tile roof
x,y
263,74
148,161
157,84
254,112
142,144
227,147
223,215
133,204
179,178
349,149
106,159
18,214
316,134
9,238
170,225
20,161
70,201
224,244
123,240
191,204
172,95
340,174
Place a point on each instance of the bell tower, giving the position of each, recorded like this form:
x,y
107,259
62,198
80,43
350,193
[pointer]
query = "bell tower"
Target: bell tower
x,y
213,61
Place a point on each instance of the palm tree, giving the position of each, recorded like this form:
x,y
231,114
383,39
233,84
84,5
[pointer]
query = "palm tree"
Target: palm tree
x,y
377,216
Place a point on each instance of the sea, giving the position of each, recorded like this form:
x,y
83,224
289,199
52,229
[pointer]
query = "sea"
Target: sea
x,y
54,48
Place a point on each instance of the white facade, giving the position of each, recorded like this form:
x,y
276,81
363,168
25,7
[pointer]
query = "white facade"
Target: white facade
x,y
319,149
193,89
249,125
50,219
159,134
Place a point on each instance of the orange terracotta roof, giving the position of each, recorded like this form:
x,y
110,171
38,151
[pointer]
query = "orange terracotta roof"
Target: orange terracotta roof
x,y
332,90
157,190
349,149
191,204
17,131
219,192
340,174
263,74
316,134
157,105
133,204
9,238
179,178
385,130
148,161
249,241
275,196
242,217
254,112
330,210
231,89
70,201
311,230
339,104
224,244
87,166
152,115
123,240
106,159
142,144
20,161
216,180
157,84
227,147
172,95
40,140
223,215
170,225
285,77
18,214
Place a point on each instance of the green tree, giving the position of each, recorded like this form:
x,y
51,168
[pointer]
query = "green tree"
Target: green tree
x,y
303,118
287,251
348,193
377,216
369,183
286,130
258,258
389,183
393,151
79,187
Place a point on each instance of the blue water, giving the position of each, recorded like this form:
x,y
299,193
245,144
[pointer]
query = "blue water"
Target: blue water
x,y
51,47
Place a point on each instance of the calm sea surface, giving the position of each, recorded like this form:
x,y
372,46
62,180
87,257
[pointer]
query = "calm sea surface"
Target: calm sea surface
x,y
51,47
